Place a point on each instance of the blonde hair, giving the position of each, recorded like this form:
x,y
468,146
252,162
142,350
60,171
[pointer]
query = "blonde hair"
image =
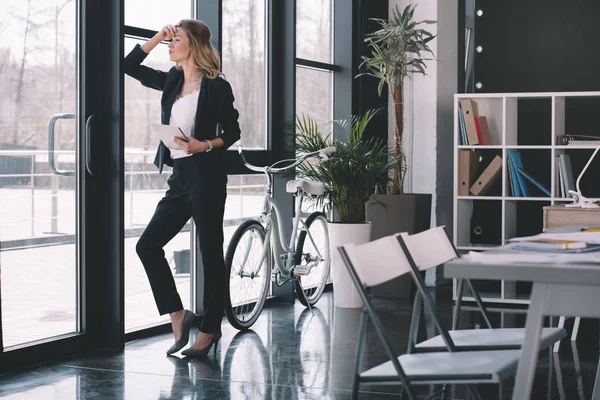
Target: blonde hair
x,y
204,56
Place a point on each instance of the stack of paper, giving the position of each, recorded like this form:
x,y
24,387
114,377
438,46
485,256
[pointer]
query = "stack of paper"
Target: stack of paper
x,y
496,258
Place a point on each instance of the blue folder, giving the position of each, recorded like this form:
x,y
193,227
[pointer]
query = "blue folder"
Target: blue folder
x,y
534,181
519,183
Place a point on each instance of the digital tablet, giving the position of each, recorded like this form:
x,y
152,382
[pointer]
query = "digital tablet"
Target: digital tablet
x,y
166,133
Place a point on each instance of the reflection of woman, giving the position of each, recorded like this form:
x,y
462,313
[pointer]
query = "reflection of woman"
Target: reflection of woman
x,y
197,100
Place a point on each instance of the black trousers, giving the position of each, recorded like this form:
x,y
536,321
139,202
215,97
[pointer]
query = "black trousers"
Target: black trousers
x,y
197,189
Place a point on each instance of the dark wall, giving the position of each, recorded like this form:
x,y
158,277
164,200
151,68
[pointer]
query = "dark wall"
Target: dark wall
x,y
364,88
538,45
542,46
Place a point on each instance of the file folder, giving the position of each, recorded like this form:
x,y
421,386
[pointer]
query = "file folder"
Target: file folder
x,y
488,177
469,109
486,138
467,170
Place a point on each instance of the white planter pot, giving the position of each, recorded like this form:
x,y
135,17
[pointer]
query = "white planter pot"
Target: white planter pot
x,y
344,292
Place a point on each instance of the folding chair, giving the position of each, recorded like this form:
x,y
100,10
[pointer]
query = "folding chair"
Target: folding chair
x,y
379,261
431,248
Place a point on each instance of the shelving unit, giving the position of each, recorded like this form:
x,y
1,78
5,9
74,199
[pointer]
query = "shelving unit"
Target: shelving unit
x,y
510,214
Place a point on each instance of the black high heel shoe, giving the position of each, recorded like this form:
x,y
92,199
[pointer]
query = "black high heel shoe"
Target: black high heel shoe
x,y
203,352
186,326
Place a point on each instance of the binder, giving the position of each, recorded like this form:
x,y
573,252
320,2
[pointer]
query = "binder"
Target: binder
x,y
486,138
484,182
560,185
534,181
514,175
567,173
463,129
476,118
511,182
469,109
517,163
467,170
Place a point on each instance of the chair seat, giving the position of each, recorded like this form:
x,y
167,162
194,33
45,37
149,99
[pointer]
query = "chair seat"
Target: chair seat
x,y
489,339
311,187
490,366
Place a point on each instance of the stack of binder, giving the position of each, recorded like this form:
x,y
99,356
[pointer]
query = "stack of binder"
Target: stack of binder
x,y
564,173
470,181
474,129
518,178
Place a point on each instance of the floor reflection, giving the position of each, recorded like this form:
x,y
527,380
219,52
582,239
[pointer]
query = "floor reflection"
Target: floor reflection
x,y
293,353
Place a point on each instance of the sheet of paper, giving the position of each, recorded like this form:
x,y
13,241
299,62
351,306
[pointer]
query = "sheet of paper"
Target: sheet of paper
x,y
531,257
589,237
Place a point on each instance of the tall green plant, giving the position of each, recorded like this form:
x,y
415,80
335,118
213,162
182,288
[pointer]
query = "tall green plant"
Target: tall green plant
x,y
354,172
398,49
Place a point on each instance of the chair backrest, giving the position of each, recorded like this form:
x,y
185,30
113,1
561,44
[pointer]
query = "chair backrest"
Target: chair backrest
x,y
430,248
383,259
378,261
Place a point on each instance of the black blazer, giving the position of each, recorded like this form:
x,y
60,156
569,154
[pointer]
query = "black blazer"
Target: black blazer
x,y
215,115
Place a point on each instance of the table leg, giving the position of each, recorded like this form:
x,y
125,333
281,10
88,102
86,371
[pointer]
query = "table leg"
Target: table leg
x,y
531,343
561,324
596,392
575,329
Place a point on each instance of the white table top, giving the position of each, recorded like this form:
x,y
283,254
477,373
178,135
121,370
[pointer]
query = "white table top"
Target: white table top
x,y
546,272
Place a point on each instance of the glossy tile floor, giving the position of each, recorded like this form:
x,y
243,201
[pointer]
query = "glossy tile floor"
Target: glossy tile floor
x,y
291,354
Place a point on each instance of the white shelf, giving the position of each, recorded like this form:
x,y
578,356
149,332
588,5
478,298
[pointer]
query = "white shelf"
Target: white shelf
x,y
502,111
512,198
527,147
573,147
479,197
478,147
508,198
474,247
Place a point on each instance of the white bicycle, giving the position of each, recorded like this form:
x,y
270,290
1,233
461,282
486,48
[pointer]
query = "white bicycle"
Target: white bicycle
x,y
258,243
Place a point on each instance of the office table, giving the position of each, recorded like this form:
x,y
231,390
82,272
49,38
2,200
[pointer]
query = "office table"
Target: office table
x,y
567,289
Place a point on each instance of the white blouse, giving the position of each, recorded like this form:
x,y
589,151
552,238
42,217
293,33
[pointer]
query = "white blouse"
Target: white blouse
x,y
183,115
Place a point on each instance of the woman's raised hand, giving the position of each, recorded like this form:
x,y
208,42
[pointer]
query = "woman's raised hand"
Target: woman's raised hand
x,y
168,32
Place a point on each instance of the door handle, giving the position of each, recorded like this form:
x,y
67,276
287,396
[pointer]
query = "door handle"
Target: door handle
x,y
51,132
88,152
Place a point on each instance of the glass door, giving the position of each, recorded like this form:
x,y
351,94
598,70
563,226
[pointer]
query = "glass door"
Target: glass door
x,y
39,238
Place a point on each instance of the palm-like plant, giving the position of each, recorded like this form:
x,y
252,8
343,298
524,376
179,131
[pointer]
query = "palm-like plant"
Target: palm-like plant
x,y
355,172
397,50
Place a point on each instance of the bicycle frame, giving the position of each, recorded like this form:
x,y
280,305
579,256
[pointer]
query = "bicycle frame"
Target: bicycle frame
x,y
270,218
275,240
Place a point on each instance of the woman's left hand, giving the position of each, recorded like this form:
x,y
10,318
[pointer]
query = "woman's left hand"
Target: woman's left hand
x,y
191,147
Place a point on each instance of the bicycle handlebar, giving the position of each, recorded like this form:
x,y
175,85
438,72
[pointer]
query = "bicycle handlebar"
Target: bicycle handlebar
x,y
323,153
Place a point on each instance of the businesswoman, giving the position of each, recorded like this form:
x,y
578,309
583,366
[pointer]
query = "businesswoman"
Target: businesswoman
x,y
200,102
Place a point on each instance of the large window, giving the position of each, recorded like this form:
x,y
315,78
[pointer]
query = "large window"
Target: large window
x,y
314,56
144,187
38,234
154,14
314,39
245,67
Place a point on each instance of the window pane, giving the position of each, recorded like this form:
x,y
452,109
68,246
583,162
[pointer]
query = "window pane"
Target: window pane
x,y
154,14
244,65
313,30
38,208
314,95
144,187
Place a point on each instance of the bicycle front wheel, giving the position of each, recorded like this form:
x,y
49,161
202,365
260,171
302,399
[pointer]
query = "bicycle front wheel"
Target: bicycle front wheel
x,y
248,281
313,252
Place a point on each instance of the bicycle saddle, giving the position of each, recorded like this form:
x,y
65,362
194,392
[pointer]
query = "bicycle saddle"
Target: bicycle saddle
x,y
311,187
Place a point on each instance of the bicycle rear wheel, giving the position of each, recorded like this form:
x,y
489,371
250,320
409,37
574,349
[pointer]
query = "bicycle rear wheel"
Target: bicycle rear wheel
x,y
247,287
314,250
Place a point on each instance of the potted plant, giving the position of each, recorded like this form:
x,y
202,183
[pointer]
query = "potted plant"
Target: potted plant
x,y
353,174
398,50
